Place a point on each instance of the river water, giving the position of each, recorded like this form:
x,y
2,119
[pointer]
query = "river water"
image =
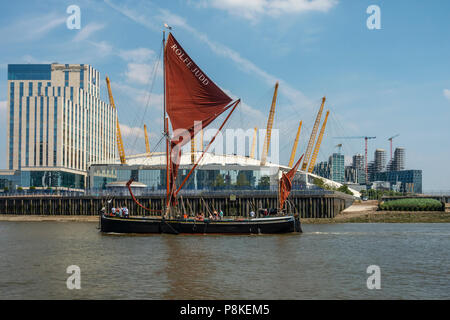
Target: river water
x,y
327,261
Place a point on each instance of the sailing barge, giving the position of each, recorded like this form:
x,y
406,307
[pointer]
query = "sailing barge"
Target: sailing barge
x,y
192,101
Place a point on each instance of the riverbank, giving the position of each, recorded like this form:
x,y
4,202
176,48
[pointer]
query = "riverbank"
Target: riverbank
x,y
38,218
366,212
363,212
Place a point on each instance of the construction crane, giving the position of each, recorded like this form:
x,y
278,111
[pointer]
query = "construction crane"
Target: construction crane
x,y
118,134
390,140
252,152
319,141
269,127
312,138
366,139
147,144
294,147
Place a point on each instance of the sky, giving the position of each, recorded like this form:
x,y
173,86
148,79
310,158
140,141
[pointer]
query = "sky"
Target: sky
x,y
377,82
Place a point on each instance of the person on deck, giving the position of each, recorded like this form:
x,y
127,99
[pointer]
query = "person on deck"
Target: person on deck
x,y
125,212
221,214
113,211
252,214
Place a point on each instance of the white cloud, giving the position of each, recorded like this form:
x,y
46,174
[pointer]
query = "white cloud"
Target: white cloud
x,y
254,9
139,73
295,96
87,31
3,107
140,97
32,28
138,55
447,93
103,48
131,132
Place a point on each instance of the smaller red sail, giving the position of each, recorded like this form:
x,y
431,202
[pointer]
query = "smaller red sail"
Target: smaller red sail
x,y
286,183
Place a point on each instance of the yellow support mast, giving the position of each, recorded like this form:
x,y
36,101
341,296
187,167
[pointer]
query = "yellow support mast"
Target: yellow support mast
x,y
252,153
193,150
312,138
118,134
266,146
294,147
147,144
319,141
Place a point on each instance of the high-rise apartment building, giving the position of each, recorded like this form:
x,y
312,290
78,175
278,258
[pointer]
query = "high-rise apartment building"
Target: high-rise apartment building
x,y
358,164
57,124
336,165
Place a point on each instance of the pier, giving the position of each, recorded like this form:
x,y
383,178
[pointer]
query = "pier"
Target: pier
x,y
308,205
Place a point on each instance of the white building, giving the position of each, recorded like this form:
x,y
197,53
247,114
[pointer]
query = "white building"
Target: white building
x,y
57,124
214,172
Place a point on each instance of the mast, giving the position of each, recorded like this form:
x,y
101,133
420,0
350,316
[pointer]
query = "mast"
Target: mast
x,y
166,128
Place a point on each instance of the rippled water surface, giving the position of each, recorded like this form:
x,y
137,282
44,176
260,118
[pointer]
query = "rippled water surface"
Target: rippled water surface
x,y
325,262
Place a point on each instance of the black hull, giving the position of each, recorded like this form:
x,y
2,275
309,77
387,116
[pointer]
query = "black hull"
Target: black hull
x,y
275,225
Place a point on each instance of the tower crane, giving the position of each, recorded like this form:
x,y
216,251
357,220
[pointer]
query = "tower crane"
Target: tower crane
x,y
147,144
294,147
319,141
366,139
312,138
390,140
118,134
269,127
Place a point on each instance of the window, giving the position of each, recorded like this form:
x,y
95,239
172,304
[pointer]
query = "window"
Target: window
x,y
29,71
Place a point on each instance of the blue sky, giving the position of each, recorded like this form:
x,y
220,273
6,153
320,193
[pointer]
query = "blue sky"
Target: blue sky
x,y
377,82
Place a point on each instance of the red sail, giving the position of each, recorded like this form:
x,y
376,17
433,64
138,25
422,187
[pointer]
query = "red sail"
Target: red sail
x,y
286,183
190,94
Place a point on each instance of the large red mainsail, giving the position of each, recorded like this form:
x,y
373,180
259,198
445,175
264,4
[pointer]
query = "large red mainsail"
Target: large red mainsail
x,y
190,94
286,183
192,99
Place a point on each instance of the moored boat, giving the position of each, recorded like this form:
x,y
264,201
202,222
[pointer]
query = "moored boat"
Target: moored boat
x,y
192,101
270,225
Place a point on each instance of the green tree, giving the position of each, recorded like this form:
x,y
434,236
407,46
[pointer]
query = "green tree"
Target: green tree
x,y
219,181
242,180
344,188
264,181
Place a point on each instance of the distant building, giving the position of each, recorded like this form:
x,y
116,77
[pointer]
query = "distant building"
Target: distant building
x,y
322,169
398,162
57,125
351,175
404,180
359,165
336,164
380,160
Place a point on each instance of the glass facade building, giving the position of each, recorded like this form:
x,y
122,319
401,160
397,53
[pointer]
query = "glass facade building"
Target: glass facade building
x,y
57,124
410,180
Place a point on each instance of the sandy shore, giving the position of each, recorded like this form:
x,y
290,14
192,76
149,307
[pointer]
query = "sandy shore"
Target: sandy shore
x,y
366,212
34,218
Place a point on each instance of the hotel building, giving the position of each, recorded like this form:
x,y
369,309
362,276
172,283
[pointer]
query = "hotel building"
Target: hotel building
x,y
57,125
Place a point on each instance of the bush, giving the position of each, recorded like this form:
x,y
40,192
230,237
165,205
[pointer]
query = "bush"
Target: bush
x,y
412,204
